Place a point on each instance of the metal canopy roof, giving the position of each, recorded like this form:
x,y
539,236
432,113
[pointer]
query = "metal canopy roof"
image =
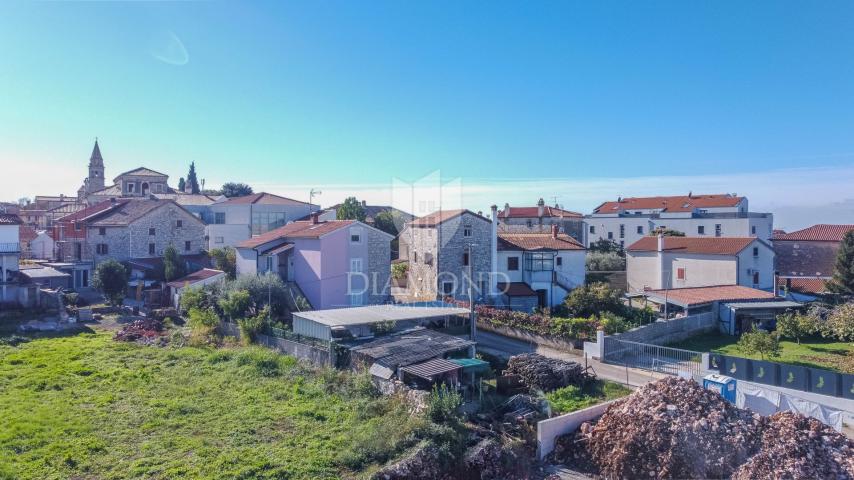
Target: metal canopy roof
x,y
411,347
432,368
376,314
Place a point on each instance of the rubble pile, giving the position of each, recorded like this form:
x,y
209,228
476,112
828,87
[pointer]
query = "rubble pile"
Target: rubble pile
x,y
423,464
795,446
541,373
145,328
672,428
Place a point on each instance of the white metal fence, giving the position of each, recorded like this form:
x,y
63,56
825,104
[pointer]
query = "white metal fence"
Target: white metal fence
x,y
673,361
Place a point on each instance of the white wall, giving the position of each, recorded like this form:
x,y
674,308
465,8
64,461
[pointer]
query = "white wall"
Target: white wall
x,y
763,263
700,270
246,261
9,234
231,234
642,270
730,227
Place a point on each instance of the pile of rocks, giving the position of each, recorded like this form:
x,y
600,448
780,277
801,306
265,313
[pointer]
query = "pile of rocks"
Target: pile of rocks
x,y
795,446
146,328
672,428
541,373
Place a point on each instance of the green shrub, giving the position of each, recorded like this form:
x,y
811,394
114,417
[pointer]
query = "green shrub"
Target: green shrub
x,y
111,279
757,342
265,362
203,323
571,398
575,328
612,323
443,404
193,297
251,327
235,304
399,270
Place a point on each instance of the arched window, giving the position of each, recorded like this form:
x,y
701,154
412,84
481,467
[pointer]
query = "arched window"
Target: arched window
x,y
145,188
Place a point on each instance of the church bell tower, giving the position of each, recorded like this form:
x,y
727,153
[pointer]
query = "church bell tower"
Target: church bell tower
x,y
95,181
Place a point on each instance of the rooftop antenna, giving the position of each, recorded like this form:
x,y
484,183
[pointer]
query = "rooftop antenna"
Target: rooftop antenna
x,y
311,194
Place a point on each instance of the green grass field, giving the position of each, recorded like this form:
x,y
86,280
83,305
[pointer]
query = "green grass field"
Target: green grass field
x,y
813,352
87,407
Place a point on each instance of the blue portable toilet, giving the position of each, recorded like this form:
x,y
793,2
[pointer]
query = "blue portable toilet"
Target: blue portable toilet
x,y
722,385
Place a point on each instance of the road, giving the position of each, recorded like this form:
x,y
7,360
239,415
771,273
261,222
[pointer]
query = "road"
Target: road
x,y
501,346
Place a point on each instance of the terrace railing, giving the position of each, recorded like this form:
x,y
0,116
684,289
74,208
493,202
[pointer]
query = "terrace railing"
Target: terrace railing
x,y
673,361
10,247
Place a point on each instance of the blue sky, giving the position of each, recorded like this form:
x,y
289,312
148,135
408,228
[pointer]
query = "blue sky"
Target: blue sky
x,y
345,96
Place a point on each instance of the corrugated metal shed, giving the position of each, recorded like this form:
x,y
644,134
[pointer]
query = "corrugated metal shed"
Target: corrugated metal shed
x,y
432,368
409,348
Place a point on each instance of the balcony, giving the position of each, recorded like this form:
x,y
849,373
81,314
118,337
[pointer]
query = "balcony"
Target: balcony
x,y
10,247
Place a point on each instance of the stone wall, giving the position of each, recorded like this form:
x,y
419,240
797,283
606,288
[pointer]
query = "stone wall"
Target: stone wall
x,y
420,242
662,332
545,340
379,266
302,351
454,243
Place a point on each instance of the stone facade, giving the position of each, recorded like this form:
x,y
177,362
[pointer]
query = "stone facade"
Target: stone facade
x,y
379,266
436,256
133,240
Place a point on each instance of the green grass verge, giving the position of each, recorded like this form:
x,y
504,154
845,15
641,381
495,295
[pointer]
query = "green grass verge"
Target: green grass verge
x,y
814,352
85,406
571,398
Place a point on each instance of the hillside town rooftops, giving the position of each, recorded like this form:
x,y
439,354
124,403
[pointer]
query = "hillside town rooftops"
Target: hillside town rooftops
x,y
698,245
817,233
534,212
678,203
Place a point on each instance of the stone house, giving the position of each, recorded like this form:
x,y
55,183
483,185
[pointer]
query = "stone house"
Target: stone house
x,y
654,263
540,219
445,251
805,258
336,263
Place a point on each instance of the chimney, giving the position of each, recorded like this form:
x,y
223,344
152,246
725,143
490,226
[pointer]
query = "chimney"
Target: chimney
x,y
660,242
480,213
554,231
506,210
364,203
314,218
541,208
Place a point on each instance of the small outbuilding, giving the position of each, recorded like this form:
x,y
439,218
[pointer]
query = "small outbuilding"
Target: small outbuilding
x,y
205,276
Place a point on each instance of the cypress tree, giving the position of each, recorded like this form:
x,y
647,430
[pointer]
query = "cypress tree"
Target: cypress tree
x,y
843,272
191,178
181,184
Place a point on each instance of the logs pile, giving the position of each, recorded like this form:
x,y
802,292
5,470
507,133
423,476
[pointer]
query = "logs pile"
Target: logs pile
x,y
541,373
794,446
672,428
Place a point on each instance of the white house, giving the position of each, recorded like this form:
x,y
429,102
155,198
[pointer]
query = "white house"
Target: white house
x,y
10,252
205,276
538,269
233,220
627,220
654,263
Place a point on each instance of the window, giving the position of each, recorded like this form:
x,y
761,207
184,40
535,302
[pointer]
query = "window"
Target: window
x,y
756,278
151,249
718,230
101,249
539,262
467,231
753,229
179,223
187,245
102,231
448,288
130,187
151,231
529,223
77,226
466,259
513,263
414,257
640,229
355,238
219,218
680,274
755,251
610,235
592,229
622,244
622,231
559,261
355,265
218,240
265,221
701,229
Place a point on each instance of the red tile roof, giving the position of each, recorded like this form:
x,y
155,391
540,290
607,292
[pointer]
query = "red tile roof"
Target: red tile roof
x,y
701,245
804,284
537,241
262,198
441,216
516,289
300,229
720,293
679,203
533,212
91,210
9,219
817,233
194,277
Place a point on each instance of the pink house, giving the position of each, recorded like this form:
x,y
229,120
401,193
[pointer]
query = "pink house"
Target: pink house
x,y
335,263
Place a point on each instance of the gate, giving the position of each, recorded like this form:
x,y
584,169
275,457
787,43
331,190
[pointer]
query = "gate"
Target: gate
x,y
673,361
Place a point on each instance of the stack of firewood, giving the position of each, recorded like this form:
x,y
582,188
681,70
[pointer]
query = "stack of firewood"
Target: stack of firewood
x,y
542,373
